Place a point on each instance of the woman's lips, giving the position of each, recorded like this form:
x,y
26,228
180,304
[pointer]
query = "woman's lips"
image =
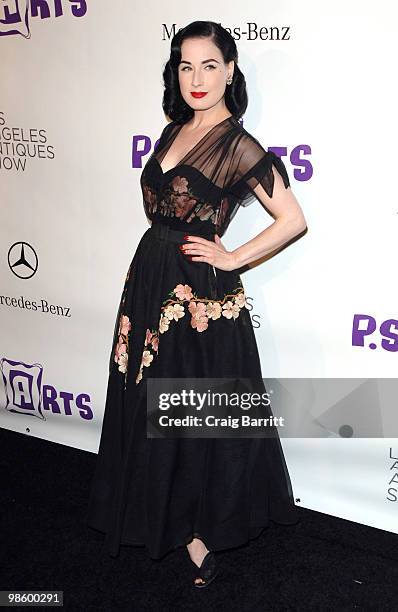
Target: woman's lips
x,y
198,94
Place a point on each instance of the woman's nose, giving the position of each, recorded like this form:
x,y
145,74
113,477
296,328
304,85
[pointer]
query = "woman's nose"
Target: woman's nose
x,y
197,80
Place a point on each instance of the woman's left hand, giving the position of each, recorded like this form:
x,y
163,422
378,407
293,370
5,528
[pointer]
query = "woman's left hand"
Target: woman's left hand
x,y
213,253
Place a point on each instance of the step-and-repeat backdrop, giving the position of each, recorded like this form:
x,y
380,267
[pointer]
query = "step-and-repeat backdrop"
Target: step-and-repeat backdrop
x,y
80,110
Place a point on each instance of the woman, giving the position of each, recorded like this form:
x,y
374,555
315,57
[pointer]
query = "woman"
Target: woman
x,y
183,314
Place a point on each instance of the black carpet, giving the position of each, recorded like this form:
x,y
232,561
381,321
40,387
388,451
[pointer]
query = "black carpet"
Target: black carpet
x,y
322,563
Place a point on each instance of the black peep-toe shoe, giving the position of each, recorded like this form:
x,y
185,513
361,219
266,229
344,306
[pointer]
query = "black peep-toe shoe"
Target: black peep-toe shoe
x,y
207,571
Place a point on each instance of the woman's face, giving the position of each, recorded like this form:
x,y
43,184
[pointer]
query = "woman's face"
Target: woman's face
x,y
202,69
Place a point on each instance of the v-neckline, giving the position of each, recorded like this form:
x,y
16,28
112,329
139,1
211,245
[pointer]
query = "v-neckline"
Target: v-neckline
x,y
181,161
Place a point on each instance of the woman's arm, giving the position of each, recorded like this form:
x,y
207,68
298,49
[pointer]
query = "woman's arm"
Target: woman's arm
x,y
289,222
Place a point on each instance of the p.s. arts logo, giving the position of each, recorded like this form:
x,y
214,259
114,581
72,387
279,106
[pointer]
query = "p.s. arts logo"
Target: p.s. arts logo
x,y
25,393
143,145
367,332
15,15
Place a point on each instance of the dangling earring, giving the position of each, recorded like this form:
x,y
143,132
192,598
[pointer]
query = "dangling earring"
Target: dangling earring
x,y
229,80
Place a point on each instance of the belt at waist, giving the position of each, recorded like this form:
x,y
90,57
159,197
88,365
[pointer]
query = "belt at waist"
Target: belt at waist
x,y
171,235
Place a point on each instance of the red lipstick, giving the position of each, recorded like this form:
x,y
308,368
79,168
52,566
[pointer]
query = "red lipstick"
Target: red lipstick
x,y
198,94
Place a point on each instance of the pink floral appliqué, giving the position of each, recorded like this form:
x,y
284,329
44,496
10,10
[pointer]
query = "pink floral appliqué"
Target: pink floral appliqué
x,y
121,353
150,198
151,347
179,201
201,310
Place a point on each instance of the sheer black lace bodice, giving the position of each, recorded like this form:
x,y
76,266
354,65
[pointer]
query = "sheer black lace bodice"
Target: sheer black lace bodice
x,y
212,180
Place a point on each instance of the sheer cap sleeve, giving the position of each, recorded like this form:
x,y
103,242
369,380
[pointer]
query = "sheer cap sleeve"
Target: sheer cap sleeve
x,y
256,166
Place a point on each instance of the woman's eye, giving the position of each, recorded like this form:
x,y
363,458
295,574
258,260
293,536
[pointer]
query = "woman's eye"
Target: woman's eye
x,y
189,68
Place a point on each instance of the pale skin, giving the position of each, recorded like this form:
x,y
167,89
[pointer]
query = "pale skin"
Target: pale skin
x,y
202,68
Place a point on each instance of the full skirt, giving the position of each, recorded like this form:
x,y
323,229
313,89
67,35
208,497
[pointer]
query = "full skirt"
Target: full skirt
x,y
181,319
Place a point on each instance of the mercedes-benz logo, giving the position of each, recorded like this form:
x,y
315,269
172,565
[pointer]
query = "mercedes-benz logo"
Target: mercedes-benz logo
x,y
22,259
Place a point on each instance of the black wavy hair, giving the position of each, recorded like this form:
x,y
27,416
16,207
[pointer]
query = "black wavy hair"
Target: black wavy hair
x,y
173,104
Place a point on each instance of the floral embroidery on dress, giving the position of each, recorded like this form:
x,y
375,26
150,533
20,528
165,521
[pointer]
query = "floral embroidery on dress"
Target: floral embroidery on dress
x,y
150,198
121,353
152,344
201,310
178,200
121,348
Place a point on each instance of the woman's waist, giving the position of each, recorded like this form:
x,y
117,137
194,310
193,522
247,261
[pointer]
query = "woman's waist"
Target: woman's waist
x,y
171,234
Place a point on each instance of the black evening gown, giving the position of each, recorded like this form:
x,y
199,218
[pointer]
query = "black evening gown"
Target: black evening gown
x,y
181,318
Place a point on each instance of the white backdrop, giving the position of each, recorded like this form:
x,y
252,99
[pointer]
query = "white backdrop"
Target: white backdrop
x,y
80,91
